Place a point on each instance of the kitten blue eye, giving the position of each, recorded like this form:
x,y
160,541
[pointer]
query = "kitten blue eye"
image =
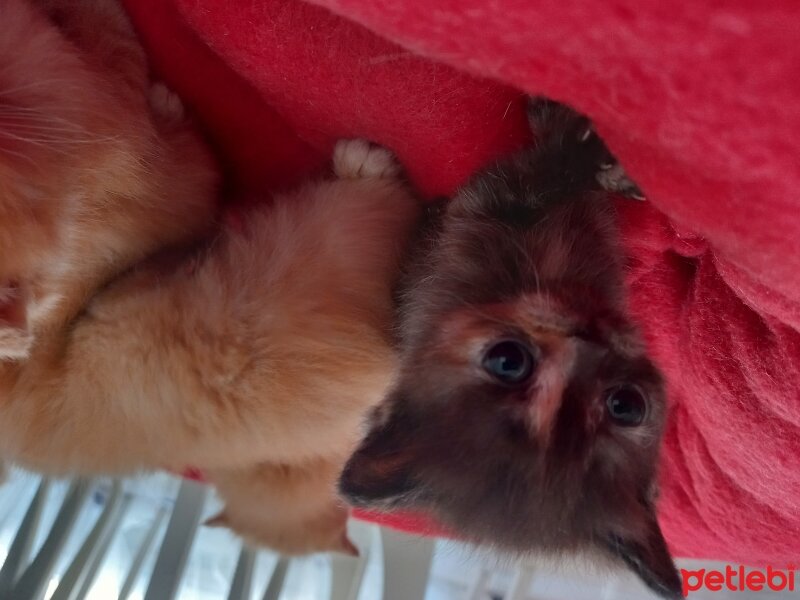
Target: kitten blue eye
x,y
626,405
509,361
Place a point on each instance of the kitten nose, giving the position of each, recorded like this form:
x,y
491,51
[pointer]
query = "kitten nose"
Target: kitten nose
x,y
552,378
551,382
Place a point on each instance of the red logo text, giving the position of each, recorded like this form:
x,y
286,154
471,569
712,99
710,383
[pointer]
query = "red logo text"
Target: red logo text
x,y
739,580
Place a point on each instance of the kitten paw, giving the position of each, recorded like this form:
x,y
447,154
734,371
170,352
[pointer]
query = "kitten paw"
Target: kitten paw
x,y
552,121
359,159
560,126
612,178
165,103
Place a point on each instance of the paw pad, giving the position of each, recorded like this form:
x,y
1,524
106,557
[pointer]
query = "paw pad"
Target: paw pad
x,y
359,159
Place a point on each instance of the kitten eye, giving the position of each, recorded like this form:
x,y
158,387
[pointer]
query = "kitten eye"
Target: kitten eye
x,y
626,405
509,361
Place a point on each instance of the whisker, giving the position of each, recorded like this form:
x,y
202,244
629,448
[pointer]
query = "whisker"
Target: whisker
x,y
36,84
44,143
40,121
36,114
39,138
21,155
35,127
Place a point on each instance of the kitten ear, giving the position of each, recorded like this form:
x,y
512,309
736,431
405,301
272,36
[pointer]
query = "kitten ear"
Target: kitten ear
x,y
218,520
346,546
647,555
379,472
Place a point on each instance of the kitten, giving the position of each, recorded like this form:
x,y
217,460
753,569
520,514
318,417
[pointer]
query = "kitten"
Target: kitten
x,y
89,150
527,414
266,348
294,508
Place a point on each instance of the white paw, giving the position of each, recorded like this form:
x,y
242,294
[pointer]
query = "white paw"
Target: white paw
x,y
612,177
165,103
359,159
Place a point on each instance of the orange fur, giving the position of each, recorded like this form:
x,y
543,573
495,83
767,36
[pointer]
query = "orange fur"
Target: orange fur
x,y
290,507
267,349
87,162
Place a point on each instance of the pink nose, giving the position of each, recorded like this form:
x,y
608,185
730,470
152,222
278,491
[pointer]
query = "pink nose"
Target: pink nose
x,y
548,392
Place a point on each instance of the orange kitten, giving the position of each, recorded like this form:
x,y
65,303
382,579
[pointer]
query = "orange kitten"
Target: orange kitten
x,y
294,508
264,349
88,157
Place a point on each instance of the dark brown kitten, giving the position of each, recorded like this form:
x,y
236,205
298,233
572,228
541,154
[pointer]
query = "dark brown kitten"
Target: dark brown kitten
x,y
527,414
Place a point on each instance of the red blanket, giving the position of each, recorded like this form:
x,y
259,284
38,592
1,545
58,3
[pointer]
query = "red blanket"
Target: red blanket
x,y
700,100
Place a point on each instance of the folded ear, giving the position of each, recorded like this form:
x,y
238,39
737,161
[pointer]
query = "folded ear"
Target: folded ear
x,y
647,555
380,472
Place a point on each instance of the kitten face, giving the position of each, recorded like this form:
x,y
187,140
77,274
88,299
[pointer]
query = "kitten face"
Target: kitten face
x,y
527,415
525,429
87,156
37,116
511,414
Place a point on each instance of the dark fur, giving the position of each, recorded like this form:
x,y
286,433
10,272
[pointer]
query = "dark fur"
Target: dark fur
x,y
528,249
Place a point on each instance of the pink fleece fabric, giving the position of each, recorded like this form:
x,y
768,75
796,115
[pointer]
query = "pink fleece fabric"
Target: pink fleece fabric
x,y
698,99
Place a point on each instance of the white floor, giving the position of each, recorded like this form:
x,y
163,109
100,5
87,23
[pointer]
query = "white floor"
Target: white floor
x,y
457,573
